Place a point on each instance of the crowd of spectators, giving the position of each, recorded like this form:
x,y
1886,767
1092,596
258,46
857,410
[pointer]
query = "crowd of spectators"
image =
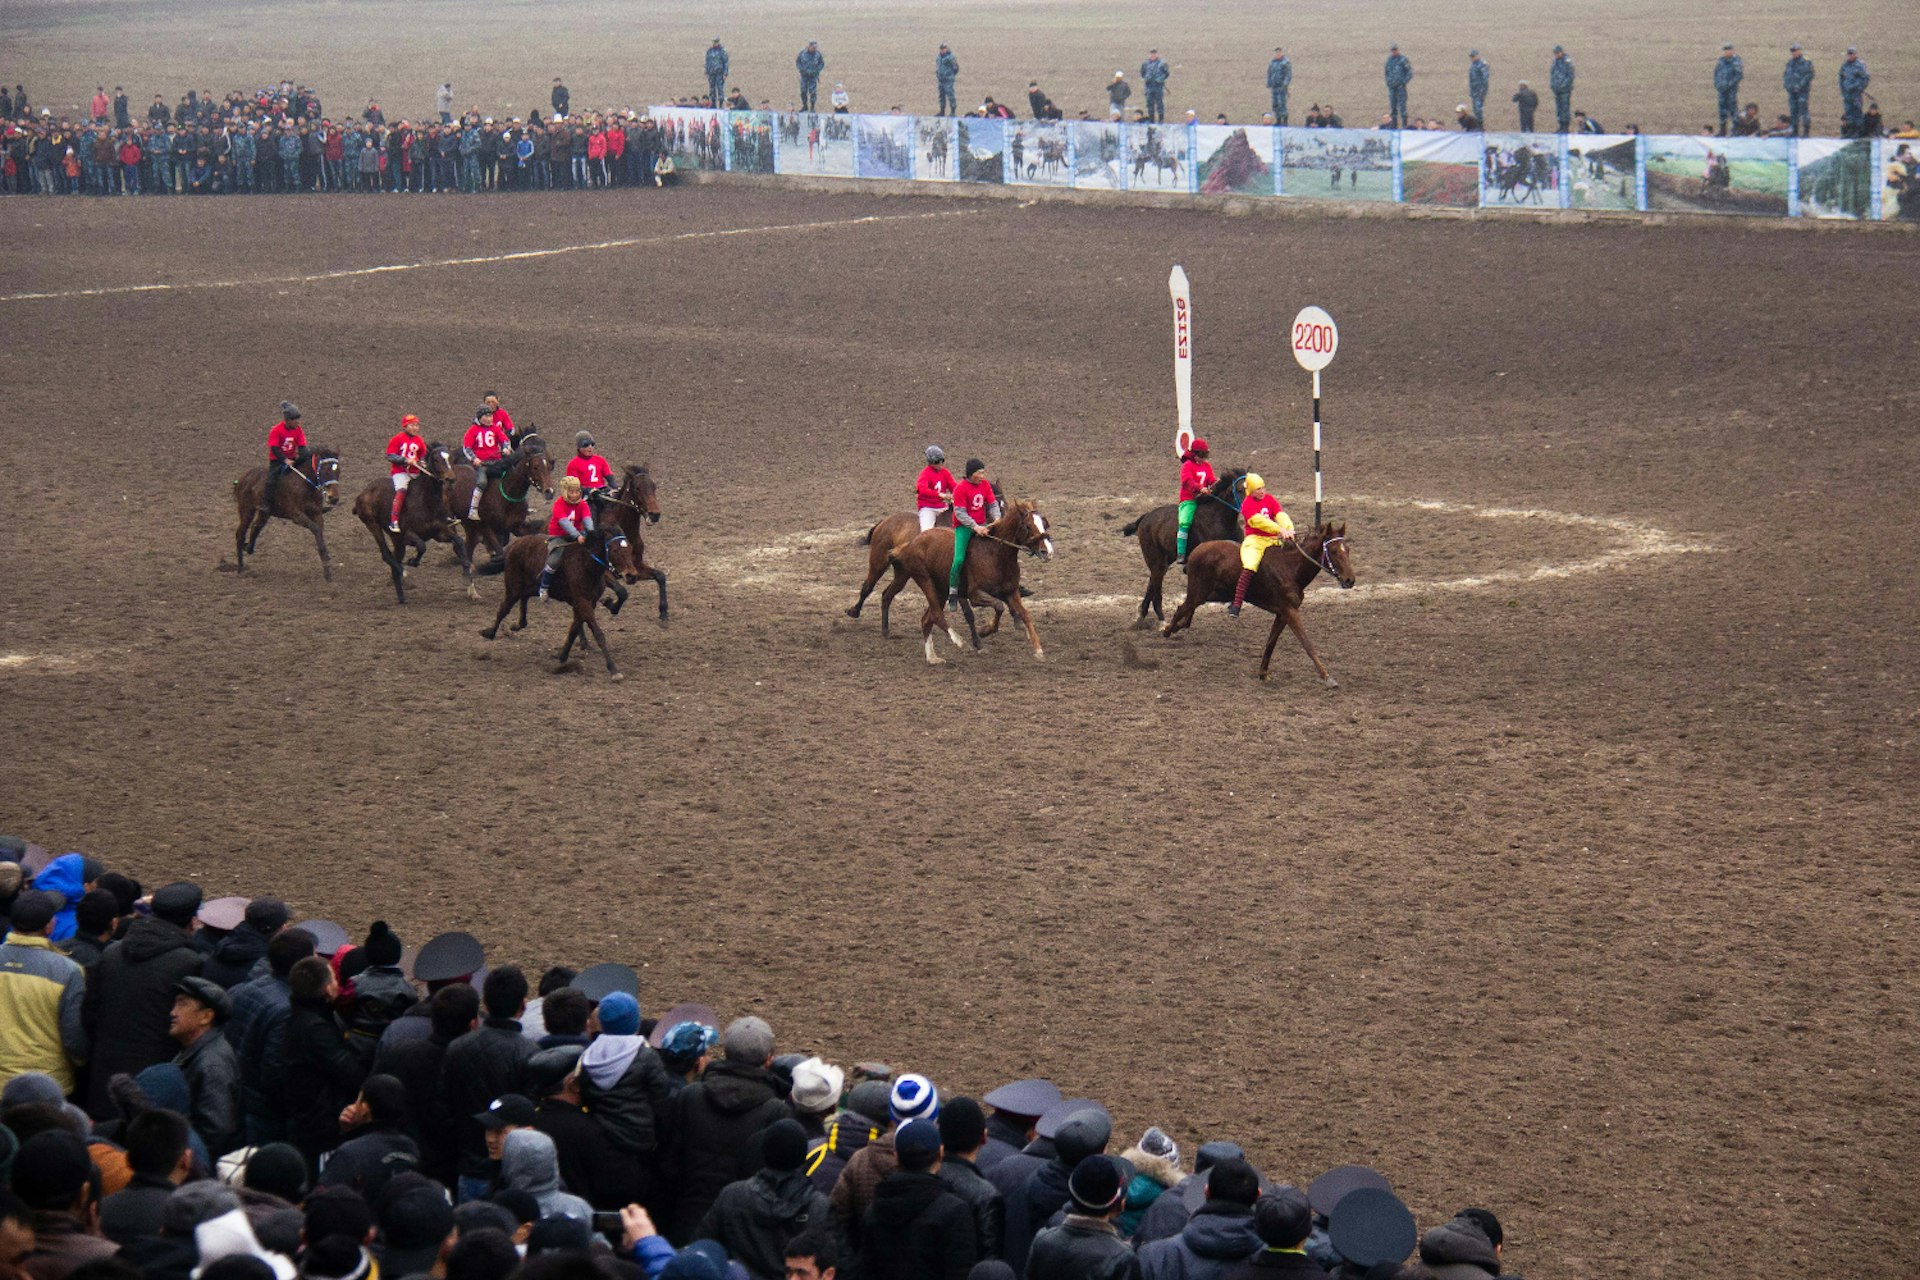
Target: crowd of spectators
x,y
196,1089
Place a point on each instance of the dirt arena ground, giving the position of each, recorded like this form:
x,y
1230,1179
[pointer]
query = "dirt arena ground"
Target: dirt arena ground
x,y
1589,895
1639,61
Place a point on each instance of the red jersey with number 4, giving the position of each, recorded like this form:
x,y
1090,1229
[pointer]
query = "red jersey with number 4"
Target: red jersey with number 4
x,y
935,487
1260,504
1196,477
410,447
591,471
484,442
578,512
285,440
973,499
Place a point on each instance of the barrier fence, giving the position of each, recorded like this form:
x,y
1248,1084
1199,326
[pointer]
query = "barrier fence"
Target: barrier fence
x,y
1857,179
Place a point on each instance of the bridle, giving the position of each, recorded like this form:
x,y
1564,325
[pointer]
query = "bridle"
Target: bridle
x,y
607,545
1323,559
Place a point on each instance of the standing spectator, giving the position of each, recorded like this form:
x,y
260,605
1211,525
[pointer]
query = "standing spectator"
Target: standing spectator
x,y
1797,79
717,65
946,72
443,102
917,1229
911,1098
129,1004
1283,1219
100,105
1118,91
1219,1234
98,913
373,115
258,1030
592,1165
1479,77
1854,79
160,1158
1526,101
41,993
486,1063
322,1075
122,109
159,113
378,1147
200,1010
1279,80
236,956
718,1120
757,1217
810,63
963,1131
419,1064
1398,73
1560,81
1727,74
1087,1246
1036,100
839,99
1153,74
560,98
1467,1247
55,1178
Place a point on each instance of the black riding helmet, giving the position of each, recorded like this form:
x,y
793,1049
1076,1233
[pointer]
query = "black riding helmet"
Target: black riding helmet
x,y
974,465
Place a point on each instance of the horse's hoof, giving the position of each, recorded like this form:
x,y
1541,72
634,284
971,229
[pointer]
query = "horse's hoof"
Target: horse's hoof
x,y
1039,655
487,633
1142,623
616,677
854,612
663,620
1331,683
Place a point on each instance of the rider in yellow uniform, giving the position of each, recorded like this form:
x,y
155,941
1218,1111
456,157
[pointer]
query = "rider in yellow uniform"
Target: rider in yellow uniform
x,y
1267,523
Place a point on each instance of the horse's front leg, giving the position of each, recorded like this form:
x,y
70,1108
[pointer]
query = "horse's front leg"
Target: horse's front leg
x,y
1019,608
660,580
313,525
1273,636
599,638
1292,616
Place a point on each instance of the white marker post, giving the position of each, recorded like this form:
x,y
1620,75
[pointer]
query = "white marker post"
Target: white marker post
x,y
1315,339
1182,358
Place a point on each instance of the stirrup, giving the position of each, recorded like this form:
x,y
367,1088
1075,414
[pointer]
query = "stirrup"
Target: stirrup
x,y
1233,610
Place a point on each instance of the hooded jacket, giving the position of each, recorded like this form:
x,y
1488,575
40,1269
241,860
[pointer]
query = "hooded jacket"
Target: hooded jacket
x,y
916,1230
235,956
755,1219
626,1088
65,875
1218,1235
129,1001
717,1121
1458,1249
529,1163
41,996
1152,1177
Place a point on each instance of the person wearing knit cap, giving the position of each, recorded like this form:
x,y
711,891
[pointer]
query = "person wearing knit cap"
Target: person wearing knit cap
x,y
1083,1135
1283,1219
963,1131
754,1217
626,1088
1156,1169
911,1097
915,1227
815,1094
381,992
1466,1247
718,1119
1168,1213
1087,1243
1219,1234
687,1048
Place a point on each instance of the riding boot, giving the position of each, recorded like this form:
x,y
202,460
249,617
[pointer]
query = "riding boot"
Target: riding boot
x,y
1180,548
546,575
1240,593
399,499
473,507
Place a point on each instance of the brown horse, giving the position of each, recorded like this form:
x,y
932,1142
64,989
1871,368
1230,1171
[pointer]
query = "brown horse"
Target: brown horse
x,y
583,569
503,503
1213,570
882,541
304,496
423,517
990,575
636,497
1216,516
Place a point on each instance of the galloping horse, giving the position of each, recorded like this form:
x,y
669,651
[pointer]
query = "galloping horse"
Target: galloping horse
x,y
886,537
638,496
503,504
304,496
1213,570
990,576
423,517
1217,516
583,568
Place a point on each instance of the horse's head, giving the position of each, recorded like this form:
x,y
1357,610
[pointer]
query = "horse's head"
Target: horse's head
x,y
642,492
539,468
440,462
324,463
620,558
1227,487
1332,555
1024,526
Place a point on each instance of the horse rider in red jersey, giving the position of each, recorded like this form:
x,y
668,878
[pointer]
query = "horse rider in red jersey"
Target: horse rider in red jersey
x,y
1267,524
1196,477
590,469
405,452
933,491
485,447
570,522
284,444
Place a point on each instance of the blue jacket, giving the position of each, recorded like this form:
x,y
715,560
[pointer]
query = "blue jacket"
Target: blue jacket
x,y
1218,1236
1279,73
62,876
289,147
717,61
1727,74
1798,76
946,68
1854,77
1154,72
1479,75
470,141
810,64
1560,75
1399,71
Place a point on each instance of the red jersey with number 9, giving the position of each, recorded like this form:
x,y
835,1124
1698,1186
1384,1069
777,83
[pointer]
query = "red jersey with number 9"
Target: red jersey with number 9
x,y
483,442
410,447
974,499
591,471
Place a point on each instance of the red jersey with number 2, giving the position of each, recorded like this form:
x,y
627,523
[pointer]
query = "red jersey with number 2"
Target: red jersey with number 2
x,y
591,471
410,447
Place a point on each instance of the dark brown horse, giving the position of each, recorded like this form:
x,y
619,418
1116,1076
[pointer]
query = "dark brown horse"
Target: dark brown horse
x,y
1213,570
503,502
304,496
423,517
1216,516
990,575
584,569
887,537
638,497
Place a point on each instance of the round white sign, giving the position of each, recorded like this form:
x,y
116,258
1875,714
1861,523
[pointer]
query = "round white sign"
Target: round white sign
x,y
1315,338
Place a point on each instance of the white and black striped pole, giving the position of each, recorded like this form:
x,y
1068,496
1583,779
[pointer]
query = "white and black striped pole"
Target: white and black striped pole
x,y
1315,339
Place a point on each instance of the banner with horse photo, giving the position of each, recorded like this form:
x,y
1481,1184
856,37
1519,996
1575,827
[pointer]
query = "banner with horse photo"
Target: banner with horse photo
x,y
695,137
1603,171
815,145
1899,189
1038,153
750,141
982,150
1836,177
1440,169
1336,164
883,146
1520,171
936,142
1235,160
1158,158
1099,155
1717,175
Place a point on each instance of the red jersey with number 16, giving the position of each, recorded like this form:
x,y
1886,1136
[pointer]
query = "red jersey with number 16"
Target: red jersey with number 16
x,y
1196,477
410,447
484,442
285,440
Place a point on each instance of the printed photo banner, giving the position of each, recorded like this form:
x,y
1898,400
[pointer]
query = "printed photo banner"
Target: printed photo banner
x,y
750,141
1040,153
1602,171
695,137
883,146
1897,193
982,150
1337,164
936,148
813,144
1522,171
1440,169
1750,176
1159,157
1234,160
1099,155
1835,177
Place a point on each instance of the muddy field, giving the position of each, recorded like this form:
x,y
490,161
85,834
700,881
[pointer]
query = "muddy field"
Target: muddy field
x,y
1589,895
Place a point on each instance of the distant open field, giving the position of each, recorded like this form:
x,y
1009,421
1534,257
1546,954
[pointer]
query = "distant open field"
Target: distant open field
x,y
1639,61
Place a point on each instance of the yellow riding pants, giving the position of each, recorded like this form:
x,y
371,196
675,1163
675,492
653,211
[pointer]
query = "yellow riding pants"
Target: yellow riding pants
x,y
1252,548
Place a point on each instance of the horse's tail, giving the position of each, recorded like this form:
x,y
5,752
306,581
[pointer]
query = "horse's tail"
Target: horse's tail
x,y
866,539
1133,528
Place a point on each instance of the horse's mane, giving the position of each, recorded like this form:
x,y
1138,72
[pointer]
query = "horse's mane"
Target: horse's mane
x,y
636,469
1223,487
530,442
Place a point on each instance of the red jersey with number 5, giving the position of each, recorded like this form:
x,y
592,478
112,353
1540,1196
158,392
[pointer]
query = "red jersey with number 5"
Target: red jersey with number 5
x,y
591,471
484,442
410,447
285,440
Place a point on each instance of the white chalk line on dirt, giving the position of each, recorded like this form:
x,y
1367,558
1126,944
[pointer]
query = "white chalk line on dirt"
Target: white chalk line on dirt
x,y
38,662
1637,540
521,255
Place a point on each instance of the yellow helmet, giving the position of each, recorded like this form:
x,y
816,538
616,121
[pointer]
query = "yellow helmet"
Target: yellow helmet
x,y
1254,482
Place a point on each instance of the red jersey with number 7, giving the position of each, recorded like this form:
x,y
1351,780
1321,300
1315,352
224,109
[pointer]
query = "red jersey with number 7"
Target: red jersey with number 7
x,y
410,447
1196,477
